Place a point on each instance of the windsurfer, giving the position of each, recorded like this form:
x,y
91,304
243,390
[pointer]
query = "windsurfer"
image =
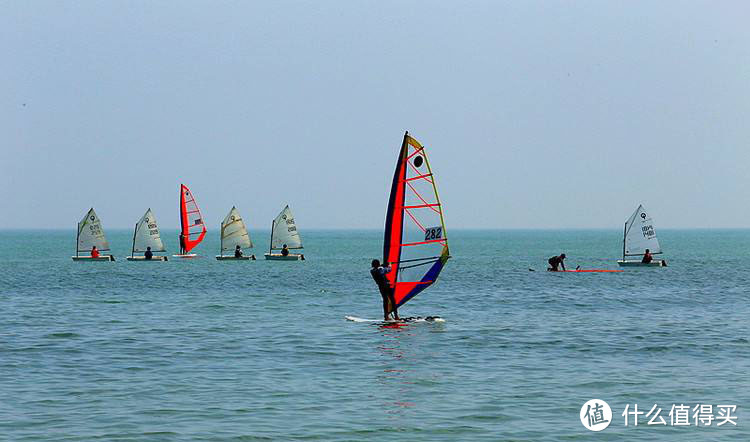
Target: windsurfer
x,y
182,244
378,273
284,250
238,252
647,257
148,254
555,262
94,252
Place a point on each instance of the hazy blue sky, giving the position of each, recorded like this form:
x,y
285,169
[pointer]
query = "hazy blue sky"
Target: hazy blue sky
x,y
535,114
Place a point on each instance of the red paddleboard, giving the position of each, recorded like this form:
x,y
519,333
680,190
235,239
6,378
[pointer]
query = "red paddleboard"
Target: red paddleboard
x,y
590,271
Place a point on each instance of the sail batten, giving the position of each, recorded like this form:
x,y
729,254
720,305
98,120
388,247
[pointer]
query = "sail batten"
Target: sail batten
x,y
193,229
415,242
640,234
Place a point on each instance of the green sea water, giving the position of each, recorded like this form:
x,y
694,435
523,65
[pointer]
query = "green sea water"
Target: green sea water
x,y
208,350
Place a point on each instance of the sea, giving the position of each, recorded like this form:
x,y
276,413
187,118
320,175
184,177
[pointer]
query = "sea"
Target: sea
x,y
202,350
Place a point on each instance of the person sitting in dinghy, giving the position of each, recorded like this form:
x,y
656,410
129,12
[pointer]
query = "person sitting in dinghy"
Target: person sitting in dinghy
x,y
647,257
238,252
94,252
284,250
148,254
555,262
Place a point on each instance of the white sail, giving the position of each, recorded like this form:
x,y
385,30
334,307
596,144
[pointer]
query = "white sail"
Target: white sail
x,y
147,234
234,232
285,231
90,233
640,234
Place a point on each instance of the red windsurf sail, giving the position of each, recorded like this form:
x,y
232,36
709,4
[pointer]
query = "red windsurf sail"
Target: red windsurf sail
x,y
415,243
193,228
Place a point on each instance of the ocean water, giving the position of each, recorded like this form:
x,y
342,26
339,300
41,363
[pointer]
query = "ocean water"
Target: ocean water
x,y
207,350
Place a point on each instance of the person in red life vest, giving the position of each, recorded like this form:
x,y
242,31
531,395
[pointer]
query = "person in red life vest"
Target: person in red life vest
x,y
386,291
647,257
94,252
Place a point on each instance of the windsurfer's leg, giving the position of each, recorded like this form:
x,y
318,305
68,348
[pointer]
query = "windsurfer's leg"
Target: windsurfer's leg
x,y
386,306
394,309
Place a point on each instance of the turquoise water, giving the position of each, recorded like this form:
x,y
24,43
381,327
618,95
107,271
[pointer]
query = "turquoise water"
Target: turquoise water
x,y
207,350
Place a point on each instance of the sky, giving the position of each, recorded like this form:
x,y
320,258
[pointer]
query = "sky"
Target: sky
x,y
549,114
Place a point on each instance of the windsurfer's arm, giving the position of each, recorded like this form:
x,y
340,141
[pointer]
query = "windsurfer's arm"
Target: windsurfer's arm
x,y
562,264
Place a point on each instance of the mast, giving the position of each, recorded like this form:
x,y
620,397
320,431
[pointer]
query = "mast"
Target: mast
x,y
135,231
221,243
270,246
182,221
624,234
78,236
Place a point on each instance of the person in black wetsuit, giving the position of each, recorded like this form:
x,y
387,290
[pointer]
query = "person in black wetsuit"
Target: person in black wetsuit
x,y
148,254
555,262
238,252
182,244
378,273
284,250
647,257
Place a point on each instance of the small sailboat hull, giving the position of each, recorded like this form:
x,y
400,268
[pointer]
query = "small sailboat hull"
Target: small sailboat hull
x,y
89,258
232,258
187,256
280,257
625,263
143,258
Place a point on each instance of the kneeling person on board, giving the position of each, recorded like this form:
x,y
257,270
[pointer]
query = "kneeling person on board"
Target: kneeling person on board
x,y
647,257
148,254
555,262
94,252
237,252
389,303
284,250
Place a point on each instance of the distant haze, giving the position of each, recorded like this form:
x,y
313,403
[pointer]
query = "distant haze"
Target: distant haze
x,y
535,114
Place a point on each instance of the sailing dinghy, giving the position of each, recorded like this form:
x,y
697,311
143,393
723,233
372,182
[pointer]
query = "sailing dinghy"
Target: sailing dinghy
x,y
193,230
284,232
640,235
234,234
145,235
415,243
90,234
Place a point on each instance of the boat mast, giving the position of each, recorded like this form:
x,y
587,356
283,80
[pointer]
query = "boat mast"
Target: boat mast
x,y
221,243
78,236
135,231
624,234
270,246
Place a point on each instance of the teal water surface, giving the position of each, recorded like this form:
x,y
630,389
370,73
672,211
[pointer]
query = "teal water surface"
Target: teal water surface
x,y
208,350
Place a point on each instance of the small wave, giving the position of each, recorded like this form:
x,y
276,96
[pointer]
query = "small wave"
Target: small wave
x,y
63,335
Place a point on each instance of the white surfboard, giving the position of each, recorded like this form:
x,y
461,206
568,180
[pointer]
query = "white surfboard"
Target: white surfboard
x,y
393,321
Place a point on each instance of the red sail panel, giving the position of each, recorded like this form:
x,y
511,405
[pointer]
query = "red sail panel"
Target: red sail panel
x,y
415,242
395,217
193,228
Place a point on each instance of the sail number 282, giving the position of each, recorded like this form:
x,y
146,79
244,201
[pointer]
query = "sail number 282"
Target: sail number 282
x,y
433,233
